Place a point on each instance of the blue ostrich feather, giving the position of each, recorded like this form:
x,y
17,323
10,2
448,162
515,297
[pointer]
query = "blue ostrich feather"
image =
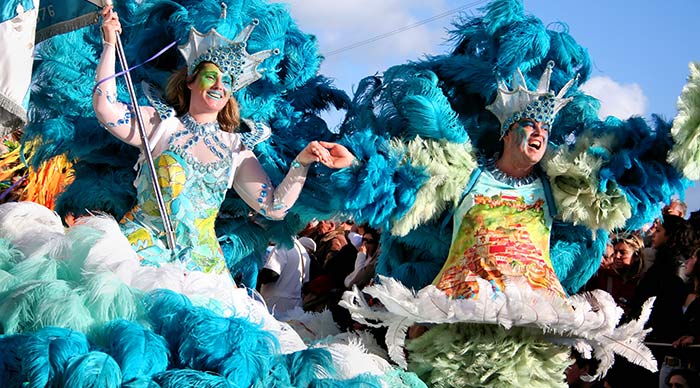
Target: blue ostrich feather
x,y
139,351
94,369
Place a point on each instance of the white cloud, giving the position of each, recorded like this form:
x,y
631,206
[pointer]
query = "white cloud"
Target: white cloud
x,y
622,101
343,23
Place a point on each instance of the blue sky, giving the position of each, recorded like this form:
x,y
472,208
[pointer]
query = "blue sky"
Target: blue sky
x,y
640,53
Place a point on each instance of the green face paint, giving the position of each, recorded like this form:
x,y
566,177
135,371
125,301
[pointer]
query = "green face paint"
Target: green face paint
x,y
209,75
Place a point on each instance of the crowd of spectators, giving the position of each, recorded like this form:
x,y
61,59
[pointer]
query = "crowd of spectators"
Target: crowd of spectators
x,y
657,262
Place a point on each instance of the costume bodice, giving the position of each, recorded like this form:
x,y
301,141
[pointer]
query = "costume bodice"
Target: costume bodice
x,y
501,232
192,190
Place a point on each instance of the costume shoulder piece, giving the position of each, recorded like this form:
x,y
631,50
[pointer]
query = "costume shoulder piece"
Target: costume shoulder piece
x,y
256,132
157,101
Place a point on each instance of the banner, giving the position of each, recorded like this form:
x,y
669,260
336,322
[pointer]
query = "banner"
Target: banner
x,y
60,16
17,27
22,24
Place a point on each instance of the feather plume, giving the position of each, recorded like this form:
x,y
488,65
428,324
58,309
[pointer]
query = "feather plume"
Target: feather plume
x,y
176,378
685,154
138,351
94,369
46,354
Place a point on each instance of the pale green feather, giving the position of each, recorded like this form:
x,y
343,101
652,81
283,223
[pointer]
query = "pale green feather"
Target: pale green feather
x,y
685,154
34,305
449,165
474,355
9,255
573,175
108,298
7,281
37,268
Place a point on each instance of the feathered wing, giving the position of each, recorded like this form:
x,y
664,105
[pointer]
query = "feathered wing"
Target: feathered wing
x,y
685,154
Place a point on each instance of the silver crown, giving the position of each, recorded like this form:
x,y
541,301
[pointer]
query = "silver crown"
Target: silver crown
x,y
541,105
230,56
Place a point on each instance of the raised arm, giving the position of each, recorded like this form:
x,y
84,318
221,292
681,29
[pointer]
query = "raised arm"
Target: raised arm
x,y
118,118
254,186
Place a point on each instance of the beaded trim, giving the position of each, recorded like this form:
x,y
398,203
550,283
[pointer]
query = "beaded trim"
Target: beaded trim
x,y
540,110
208,132
492,168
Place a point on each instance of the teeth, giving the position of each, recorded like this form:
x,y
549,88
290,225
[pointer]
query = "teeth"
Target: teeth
x,y
535,144
214,95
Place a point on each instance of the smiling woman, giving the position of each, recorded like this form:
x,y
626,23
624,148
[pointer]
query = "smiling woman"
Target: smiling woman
x,y
196,139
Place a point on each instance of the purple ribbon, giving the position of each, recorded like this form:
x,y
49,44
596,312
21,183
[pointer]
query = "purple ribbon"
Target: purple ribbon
x,y
159,53
14,186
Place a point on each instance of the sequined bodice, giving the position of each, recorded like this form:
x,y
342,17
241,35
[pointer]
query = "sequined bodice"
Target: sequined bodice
x,y
192,190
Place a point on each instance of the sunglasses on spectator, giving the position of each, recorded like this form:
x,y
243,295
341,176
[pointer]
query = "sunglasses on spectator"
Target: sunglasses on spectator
x,y
369,240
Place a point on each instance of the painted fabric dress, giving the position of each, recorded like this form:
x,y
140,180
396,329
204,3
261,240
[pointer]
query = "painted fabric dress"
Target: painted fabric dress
x,y
502,230
192,191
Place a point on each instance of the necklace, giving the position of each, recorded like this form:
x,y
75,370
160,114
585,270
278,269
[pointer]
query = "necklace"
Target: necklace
x,y
200,129
491,167
206,131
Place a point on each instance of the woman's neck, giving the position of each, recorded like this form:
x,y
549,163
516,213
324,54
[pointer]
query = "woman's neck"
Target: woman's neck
x,y
203,117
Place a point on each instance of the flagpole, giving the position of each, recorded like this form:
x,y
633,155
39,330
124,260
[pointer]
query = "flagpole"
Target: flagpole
x,y
146,149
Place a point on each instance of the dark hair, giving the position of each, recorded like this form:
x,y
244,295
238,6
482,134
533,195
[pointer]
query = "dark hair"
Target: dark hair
x,y
592,363
177,94
679,235
690,377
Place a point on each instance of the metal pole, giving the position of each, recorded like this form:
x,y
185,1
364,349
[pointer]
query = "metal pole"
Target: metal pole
x,y
146,149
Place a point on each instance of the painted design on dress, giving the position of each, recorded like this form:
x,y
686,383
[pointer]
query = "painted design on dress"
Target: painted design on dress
x,y
500,237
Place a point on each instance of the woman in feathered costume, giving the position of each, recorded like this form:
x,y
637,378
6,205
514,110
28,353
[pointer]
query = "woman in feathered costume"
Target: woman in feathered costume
x,y
116,284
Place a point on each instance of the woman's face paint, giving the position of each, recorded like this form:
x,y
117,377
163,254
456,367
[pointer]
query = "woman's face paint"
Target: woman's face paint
x,y
210,75
210,89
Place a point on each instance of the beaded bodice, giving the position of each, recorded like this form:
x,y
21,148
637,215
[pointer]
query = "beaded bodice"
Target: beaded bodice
x,y
193,173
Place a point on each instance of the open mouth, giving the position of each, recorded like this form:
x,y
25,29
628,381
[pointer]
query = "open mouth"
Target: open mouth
x,y
215,95
536,144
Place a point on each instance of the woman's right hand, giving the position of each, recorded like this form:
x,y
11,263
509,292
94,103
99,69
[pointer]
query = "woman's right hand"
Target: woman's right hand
x,y
110,25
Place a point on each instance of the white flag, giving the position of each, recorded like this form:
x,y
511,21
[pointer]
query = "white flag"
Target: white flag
x,y
17,29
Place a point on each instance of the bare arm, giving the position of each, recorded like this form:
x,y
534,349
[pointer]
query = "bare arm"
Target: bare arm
x,y
116,117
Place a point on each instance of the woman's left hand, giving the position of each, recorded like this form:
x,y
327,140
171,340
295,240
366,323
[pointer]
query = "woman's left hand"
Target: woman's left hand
x,y
332,155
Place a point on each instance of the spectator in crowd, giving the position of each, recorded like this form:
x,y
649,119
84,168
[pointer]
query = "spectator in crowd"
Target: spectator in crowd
x,y
682,378
671,240
283,275
676,208
365,261
690,325
620,278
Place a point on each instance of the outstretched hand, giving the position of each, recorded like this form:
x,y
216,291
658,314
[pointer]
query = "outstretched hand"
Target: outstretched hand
x,y
332,155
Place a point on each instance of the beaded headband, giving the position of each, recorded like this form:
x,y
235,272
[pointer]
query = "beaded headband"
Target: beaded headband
x,y
541,105
230,56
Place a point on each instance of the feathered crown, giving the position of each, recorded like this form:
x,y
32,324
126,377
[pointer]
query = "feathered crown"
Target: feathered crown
x,y
230,56
511,106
